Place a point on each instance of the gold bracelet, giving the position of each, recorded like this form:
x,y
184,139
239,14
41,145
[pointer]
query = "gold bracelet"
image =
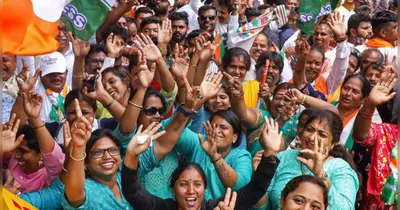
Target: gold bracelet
x,y
64,169
77,160
40,126
194,66
73,75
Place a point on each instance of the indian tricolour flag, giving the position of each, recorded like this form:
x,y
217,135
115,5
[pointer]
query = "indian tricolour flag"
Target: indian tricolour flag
x,y
30,26
84,17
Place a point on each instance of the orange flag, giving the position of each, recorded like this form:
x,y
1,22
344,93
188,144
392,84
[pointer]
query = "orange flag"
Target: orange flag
x,y
30,26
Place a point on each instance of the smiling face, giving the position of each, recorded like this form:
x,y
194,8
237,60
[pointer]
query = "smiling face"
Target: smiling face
x,y
291,4
322,36
9,66
351,94
106,166
189,190
259,46
146,119
316,129
225,135
28,159
95,62
207,20
273,74
307,196
219,102
237,68
313,66
55,81
279,102
114,86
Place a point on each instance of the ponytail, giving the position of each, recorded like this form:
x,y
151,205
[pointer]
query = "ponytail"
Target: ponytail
x,y
339,151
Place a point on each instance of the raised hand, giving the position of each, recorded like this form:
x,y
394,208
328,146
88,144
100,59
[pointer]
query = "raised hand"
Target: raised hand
x,y
317,157
193,95
257,159
200,41
210,146
180,64
380,94
295,95
271,138
211,84
26,83
235,88
79,47
9,134
302,48
67,137
151,50
142,140
164,32
229,201
114,47
337,25
99,92
32,104
264,91
143,75
209,49
81,129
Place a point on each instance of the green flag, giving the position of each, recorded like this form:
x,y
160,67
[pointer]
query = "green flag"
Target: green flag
x,y
84,17
310,11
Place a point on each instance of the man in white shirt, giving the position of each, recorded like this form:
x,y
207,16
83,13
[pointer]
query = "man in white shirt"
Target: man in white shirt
x,y
66,50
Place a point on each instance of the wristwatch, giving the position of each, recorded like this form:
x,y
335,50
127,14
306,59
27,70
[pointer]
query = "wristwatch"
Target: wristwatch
x,y
186,113
272,159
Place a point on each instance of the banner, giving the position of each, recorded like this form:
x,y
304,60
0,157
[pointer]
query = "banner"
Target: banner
x,y
310,11
13,202
84,17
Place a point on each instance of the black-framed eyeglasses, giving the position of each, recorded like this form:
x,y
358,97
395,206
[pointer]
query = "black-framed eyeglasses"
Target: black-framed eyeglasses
x,y
151,111
99,153
211,18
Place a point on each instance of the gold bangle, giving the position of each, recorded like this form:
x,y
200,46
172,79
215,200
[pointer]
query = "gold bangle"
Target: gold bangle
x,y
40,126
194,66
77,160
73,75
64,169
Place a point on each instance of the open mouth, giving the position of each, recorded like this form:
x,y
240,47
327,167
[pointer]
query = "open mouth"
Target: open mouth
x,y
107,165
191,202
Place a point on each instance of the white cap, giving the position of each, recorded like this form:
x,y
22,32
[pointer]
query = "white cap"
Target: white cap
x,y
52,63
171,2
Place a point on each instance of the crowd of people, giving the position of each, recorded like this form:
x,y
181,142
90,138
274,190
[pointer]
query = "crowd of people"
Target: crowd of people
x,y
165,109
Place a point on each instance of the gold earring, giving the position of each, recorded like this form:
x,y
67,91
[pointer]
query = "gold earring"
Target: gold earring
x,y
40,161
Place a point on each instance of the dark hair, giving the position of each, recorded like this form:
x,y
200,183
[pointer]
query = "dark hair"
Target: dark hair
x,y
264,6
293,184
120,72
29,137
151,92
236,52
117,30
179,16
393,3
276,2
102,133
355,20
205,8
149,20
252,12
225,3
96,48
193,34
272,56
283,85
5,167
366,86
77,94
233,120
363,9
309,112
131,20
182,167
334,122
381,20
354,52
318,49
143,10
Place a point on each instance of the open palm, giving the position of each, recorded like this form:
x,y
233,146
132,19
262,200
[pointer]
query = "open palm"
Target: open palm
x,y
380,94
32,105
211,84
209,146
9,134
271,138
151,50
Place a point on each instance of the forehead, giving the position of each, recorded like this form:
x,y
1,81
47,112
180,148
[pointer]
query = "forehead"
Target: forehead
x,y
100,54
219,120
103,143
311,191
190,174
281,92
153,101
355,83
82,104
261,38
314,54
150,26
208,12
320,125
237,60
372,55
143,15
322,28
178,23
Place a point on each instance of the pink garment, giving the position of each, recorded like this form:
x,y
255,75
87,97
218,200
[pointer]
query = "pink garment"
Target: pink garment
x,y
42,178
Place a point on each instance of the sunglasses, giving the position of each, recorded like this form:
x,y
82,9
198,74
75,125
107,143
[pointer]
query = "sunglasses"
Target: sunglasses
x,y
151,111
211,18
99,153
96,61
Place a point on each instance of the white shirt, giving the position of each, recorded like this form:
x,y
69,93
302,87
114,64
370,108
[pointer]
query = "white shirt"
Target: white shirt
x,y
251,74
69,60
192,10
